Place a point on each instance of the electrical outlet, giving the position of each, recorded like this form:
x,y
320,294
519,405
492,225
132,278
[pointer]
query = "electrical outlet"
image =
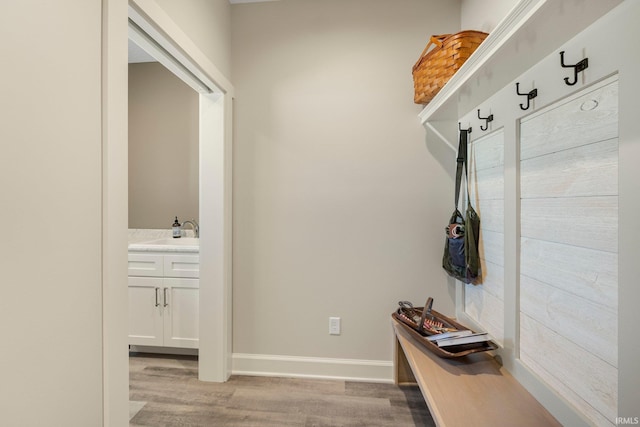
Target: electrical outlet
x,y
334,326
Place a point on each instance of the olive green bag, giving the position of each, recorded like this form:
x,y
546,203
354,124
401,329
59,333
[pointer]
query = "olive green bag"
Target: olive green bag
x,y
461,250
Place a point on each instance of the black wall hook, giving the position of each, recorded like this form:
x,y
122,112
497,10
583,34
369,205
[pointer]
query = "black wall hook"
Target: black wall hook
x,y
529,96
460,129
487,120
580,66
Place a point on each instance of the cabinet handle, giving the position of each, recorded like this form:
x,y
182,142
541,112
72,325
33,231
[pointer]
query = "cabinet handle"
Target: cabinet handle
x,y
157,303
164,294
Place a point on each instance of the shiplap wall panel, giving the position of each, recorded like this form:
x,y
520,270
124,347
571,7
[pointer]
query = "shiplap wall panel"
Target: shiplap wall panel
x,y
589,222
586,273
492,214
489,183
591,116
492,246
568,250
485,303
486,309
494,279
583,171
587,324
566,367
488,152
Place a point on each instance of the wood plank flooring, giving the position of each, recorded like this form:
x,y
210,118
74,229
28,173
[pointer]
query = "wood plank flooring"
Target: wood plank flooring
x,y
165,391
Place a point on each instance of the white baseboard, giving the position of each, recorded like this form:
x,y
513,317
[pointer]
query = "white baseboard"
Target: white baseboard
x,y
378,371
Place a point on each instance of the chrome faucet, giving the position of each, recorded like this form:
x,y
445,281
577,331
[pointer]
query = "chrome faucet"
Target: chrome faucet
x,y
195,226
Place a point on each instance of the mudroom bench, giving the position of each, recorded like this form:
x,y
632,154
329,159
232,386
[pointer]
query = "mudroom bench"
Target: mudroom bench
x,y
472,390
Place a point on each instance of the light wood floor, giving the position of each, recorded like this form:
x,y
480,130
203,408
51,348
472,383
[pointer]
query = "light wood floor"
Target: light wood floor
x,y
169,394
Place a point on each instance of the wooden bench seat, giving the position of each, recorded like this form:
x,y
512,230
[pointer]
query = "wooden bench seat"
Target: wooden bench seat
x,y
470,391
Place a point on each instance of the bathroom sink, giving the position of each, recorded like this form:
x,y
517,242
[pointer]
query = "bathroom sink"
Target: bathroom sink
x,y
170,241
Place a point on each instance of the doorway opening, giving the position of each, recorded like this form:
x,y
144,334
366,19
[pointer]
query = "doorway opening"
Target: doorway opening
x,y
169,47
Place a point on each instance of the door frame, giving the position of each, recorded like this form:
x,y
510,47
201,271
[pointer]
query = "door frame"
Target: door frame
x,y
215,199
215,187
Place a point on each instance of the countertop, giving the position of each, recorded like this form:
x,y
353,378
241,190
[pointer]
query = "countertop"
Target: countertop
x,y
139,241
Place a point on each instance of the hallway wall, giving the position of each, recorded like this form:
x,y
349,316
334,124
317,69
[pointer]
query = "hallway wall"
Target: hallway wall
x,y
484,15
208,25
51,192
338,199
163,148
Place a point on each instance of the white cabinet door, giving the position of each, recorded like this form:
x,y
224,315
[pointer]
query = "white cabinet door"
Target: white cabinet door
x,y
180,297
145,311
163,308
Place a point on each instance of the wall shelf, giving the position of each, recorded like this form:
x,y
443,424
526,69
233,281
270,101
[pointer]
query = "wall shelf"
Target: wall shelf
x,y
532,30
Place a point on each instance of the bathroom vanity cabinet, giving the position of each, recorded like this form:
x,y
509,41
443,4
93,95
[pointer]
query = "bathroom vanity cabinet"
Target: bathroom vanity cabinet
x,y
163,299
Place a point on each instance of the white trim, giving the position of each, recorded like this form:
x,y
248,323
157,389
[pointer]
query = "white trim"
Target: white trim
x,y
155,22
115,315
500,58
215,239
152,48
515,19
375,371
215,185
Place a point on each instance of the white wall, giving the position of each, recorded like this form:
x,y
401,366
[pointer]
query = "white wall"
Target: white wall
x,y
51,192
484,15
339,203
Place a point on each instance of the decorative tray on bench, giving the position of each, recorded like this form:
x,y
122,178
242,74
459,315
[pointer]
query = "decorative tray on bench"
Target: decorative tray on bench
x,y
433,323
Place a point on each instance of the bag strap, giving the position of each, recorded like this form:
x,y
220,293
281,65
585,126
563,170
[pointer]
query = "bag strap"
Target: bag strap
x,y
466,163
461,161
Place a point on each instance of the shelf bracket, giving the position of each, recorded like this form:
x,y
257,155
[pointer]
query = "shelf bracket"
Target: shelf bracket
x,y
440,135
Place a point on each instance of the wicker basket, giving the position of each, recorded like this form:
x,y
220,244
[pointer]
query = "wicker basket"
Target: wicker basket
x,y
435,67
